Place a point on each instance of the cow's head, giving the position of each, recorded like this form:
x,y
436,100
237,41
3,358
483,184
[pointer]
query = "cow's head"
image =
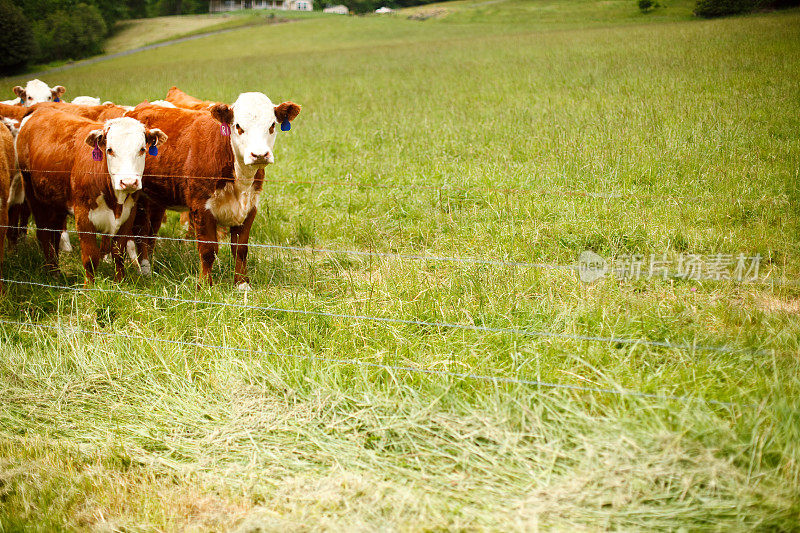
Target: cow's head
x,y
125,142
254,122
37,91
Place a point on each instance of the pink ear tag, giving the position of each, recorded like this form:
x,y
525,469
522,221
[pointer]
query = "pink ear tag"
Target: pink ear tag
x,y
97,154
226,130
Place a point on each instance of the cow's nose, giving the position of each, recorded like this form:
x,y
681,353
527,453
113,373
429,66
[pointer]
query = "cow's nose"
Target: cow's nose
x,y
266,156
129,184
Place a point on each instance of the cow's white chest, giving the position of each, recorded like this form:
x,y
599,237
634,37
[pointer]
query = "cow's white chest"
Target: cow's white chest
x,y
103,217
231,206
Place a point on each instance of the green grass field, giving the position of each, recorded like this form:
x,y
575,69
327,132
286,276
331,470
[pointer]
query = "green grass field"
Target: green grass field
x,y
473,134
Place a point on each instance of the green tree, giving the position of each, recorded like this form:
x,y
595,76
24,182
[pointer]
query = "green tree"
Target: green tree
x,y
71,34
137,9
17,47
719,8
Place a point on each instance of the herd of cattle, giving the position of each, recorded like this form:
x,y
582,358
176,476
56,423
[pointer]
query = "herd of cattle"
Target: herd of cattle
x,y
117,169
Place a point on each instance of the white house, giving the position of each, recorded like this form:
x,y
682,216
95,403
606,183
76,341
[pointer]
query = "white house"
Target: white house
x,y
216,6
337,9
384,9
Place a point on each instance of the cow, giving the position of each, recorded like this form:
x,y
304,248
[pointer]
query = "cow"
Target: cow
x,y
7,170
214,176
180,99
36,91
100,182
86,100
18,209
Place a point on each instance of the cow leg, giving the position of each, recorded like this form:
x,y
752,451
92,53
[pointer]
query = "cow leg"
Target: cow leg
x,y
3,232
240,235
63,243
186,224
18,216
48,226
18,209
90,252
105,246
205,227
145,226
13,222
119,247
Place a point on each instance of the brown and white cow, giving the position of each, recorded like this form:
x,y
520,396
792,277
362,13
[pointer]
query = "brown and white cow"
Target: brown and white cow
x,y
18,208
216,177
180,99
58,155
36,91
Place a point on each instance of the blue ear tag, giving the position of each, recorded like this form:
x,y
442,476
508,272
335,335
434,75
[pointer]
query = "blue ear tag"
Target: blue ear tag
x,y
286,125
56,99
153,150
97,154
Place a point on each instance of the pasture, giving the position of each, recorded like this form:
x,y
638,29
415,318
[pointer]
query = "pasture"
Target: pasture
x,y
139,32
516,131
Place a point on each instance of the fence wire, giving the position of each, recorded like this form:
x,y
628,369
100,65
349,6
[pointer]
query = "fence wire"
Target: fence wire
x,y
403,321
444,187
392,368
487,261
329,251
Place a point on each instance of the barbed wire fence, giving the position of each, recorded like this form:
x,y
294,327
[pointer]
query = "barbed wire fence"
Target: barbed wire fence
x,y
487,261
372,253
440,187
390,368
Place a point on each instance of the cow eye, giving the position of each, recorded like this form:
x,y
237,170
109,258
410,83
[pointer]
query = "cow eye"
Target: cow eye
x,y
110,151
141,151
239,129
272,128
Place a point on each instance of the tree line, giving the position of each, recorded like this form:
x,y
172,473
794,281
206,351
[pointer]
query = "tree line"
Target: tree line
x,y
40,31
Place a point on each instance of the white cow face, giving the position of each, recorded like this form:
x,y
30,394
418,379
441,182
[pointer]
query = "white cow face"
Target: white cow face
x,y
125,142
254,122
37,91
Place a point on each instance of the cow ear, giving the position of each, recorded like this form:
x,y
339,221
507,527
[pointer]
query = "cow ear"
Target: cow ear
x,y
57,91
155,137
287,111
96,138
222,113
19,91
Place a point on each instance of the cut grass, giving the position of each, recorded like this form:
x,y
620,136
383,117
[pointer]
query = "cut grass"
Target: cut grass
x,y
693,123
136,33
131,34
